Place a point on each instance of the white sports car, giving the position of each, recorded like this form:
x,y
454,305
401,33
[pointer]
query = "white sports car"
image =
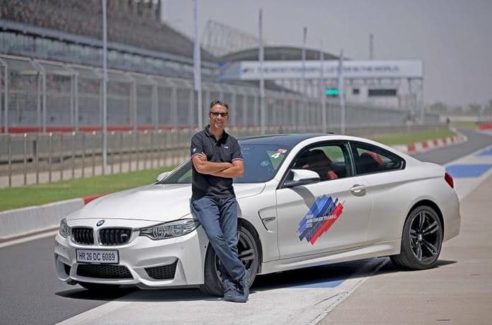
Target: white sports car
x,y
305,200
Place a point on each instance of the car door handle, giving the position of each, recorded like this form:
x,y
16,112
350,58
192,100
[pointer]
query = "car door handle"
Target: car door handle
x,y
358,190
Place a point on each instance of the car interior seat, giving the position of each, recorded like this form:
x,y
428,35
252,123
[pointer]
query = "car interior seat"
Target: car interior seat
x,y
317,161
369,162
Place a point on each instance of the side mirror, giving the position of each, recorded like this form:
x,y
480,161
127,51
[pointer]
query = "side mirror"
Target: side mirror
x,y
302,177
162,176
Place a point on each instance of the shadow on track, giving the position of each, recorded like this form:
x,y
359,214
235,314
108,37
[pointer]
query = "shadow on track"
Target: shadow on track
x,y
313,277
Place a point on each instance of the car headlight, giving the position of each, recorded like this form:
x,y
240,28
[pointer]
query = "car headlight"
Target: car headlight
x,y
170,229
64,228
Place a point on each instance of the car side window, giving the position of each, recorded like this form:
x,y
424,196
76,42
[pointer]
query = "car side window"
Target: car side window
x,y
372,159
329,161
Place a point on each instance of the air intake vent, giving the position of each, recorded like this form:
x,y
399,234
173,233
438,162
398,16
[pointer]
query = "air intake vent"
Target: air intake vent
x,y
163,272
104,271
67,268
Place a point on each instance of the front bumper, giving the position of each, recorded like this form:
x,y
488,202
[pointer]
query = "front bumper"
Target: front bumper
x,y
144,262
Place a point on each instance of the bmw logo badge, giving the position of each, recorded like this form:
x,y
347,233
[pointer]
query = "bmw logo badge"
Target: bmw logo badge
x,y
99,223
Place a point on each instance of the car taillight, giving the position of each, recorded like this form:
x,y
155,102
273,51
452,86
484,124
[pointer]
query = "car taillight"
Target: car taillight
x,y
449,179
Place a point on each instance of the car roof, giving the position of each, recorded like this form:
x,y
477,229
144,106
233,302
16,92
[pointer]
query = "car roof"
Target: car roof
x,y
284,140
289,141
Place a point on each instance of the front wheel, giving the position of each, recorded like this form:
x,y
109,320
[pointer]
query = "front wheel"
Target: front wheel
x,y
248,254
421,240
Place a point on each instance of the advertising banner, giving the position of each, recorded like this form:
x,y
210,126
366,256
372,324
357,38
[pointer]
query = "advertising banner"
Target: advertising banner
x,y
250,70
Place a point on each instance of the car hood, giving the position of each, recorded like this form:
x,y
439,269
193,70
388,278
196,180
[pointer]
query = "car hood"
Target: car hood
x,y
161,202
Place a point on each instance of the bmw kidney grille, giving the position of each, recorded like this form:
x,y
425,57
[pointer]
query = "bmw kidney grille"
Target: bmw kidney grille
x,y
107,236
114,236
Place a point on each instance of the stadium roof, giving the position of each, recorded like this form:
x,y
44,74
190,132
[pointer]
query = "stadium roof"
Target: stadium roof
x,y
275,53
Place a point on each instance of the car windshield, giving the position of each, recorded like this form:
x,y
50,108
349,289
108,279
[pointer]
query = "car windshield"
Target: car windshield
x,y
261,163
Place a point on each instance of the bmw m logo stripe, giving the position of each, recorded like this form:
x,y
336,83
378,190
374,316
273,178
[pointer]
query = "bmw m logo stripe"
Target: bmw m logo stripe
x,y
319,219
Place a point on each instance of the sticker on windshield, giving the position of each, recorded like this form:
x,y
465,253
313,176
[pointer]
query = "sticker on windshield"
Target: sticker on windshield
x,y
279,153
319,219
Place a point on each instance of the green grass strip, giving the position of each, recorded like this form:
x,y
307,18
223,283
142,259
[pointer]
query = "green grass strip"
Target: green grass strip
x,y
412,137
19,197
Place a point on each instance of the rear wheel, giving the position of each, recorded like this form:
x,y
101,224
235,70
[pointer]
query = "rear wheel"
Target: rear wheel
x,y
421,240
248,254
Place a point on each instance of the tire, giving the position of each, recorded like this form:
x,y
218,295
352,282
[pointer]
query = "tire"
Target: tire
x,y
97,287
248,253
421,240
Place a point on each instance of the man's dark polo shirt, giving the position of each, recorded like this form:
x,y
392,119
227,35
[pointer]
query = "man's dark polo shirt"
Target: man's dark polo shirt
x,y
225,150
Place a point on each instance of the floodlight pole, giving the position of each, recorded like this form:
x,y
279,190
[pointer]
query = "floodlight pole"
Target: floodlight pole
x,y
104,86
5,97
371,46
302,118
341,93
197,76
322,88
262,80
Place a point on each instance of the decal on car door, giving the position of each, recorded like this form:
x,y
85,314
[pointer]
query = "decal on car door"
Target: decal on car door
x,y
319,219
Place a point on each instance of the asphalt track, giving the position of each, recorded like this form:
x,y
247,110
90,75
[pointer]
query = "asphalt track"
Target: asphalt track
x,y
30,293
458,290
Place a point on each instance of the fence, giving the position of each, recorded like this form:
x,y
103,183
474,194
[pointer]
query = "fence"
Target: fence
x,y
34,158
43,96
40,158
51,117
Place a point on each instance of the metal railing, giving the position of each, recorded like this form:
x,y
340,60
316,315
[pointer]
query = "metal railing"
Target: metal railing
x,y
45,158
43,96
33,158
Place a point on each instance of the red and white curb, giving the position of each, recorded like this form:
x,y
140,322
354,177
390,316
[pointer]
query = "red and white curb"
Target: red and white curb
x,y
428,145
89,198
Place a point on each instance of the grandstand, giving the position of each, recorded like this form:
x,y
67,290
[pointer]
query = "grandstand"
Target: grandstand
x,y
133,23
71,31
50,75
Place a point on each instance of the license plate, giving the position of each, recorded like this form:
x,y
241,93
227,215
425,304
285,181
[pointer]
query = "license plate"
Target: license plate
x,y
99,256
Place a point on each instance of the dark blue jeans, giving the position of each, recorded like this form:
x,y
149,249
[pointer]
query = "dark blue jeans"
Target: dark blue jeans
x,y
218,218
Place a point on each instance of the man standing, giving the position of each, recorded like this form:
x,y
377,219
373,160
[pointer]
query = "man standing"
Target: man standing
x,y
217,159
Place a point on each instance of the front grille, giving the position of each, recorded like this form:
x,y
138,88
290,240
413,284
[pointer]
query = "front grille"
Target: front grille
x,y
83,235
163,272
104,271
114,236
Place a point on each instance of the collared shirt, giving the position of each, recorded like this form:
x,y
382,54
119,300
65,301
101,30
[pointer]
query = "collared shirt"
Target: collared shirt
x,y
226,149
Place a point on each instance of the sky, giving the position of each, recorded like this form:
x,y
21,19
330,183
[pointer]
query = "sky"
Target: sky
x,y
453,38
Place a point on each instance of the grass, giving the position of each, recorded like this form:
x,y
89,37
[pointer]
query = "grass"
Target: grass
x,y
465,125
412,137
18,197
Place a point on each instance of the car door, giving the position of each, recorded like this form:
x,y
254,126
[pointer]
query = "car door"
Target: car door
x,y
327,216
385,178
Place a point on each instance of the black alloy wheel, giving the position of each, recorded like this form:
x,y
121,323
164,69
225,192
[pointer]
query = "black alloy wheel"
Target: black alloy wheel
x,y
248,254
421,240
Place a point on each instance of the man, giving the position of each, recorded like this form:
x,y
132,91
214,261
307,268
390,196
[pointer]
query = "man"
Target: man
x,y
217,159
